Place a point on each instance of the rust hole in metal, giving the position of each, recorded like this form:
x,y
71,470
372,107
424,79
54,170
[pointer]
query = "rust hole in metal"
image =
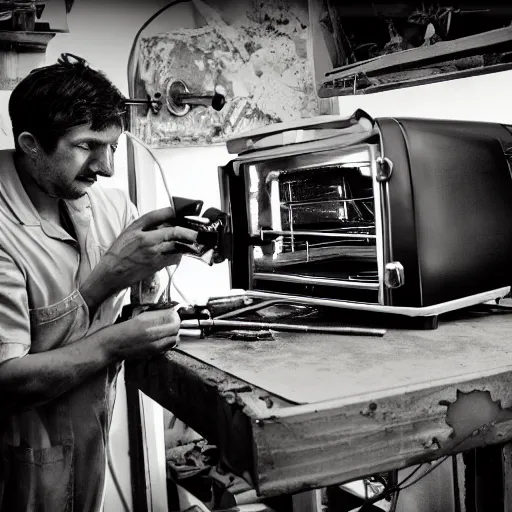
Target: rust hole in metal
x,y
473,412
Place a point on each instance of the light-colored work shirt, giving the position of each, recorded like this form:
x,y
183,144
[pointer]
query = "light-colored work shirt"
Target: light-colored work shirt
x,y
52,457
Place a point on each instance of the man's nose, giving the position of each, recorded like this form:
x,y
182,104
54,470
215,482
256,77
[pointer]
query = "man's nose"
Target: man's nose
x,y
102,162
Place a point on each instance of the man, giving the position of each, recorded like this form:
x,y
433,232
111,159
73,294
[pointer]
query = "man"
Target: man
x,y
67,251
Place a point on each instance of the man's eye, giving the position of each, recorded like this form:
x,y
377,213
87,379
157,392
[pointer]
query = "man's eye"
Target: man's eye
x,y
84,145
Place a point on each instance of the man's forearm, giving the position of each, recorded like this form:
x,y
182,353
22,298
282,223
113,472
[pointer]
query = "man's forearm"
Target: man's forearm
x,y
39,378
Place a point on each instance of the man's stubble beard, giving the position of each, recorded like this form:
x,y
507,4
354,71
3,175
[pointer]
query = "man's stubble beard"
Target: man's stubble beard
x,y
60,191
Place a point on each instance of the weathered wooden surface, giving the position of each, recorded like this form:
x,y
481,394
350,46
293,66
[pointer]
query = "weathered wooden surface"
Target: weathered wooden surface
x,y
388,402
315,367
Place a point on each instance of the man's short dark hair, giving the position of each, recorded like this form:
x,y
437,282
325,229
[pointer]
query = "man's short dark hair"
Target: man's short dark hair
x,y
53,99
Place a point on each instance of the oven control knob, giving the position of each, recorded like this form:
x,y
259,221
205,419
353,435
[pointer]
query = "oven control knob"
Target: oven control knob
x,y
384,168
394,274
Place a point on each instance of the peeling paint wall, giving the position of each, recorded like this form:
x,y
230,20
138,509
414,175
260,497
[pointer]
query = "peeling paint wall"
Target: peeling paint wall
x,y
258,56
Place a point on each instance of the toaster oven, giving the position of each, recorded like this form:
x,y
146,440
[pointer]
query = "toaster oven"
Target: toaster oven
x,y
403,216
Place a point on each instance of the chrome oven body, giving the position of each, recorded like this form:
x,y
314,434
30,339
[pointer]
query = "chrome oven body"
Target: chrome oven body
x,y
403,216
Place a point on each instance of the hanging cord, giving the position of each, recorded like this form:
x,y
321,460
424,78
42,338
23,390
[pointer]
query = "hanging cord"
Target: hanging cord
x,y
131,57
113,474
171,271
66,61
393,489
159,165
171,202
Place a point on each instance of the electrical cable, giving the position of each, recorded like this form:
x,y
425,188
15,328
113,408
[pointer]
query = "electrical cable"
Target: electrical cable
x,y
133,48
110,460
159,165
180,292
394,502
169,196
393,478
170,272
113,474
397,488
173,283
429,470
410,475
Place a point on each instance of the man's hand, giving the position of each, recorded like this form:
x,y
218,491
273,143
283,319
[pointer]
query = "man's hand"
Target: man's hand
x,y
143,248
56,371
148,334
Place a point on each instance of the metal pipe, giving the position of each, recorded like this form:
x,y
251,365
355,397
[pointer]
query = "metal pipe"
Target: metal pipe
x,y
264,232
241,324
340,200
216,100
135,101
248,309
300,278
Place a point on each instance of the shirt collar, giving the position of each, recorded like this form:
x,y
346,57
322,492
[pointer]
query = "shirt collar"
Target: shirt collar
x,y
14,193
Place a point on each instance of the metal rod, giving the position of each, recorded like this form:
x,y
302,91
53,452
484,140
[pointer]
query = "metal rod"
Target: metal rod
x,y
241,324
301,278
247,309
133,101
325,201
216,100
264,232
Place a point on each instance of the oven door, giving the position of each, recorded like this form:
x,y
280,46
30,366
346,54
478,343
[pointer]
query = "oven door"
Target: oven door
x,y
315,225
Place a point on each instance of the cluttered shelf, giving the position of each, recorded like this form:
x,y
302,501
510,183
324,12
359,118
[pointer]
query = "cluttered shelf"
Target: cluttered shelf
x,y
306,410
371,47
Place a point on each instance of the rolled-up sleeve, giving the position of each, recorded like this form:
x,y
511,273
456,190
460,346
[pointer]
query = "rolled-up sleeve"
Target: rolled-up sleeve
x,y
14,312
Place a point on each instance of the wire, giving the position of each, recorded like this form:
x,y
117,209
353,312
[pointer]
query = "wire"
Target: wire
x,y
410,475
399,487
159,165
171,202
131,86
131,74
180,293
168,291
117,485
393,478
394,502
429,470
170,272
395,489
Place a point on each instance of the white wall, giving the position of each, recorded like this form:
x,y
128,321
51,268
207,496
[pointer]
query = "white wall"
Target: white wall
x,y
480,98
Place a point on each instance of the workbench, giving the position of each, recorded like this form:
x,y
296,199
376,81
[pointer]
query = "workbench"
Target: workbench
x,y
304,411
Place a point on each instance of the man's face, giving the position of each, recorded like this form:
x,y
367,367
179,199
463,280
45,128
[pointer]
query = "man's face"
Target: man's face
x,y
80,156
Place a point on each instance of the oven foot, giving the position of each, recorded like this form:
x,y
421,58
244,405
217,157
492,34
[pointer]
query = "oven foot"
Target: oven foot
x,y
429,322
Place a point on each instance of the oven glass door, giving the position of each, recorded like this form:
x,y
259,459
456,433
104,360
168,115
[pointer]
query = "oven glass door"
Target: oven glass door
x,y
312,218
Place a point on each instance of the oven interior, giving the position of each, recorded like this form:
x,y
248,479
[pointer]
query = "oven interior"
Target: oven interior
x,y
313,222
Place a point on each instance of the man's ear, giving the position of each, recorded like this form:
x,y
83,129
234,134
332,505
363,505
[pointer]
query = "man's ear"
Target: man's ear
x,y
28,144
